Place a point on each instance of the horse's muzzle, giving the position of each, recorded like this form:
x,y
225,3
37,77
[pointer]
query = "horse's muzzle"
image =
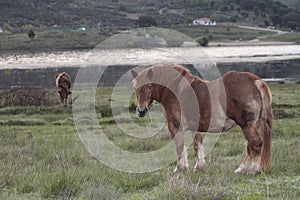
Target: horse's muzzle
x,y
142,113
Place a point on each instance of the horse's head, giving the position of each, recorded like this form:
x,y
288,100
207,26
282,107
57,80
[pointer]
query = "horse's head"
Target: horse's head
x,y
144,91
63,93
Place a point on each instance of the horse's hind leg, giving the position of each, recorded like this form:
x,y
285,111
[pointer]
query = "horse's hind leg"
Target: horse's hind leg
x,y
199,149
252,162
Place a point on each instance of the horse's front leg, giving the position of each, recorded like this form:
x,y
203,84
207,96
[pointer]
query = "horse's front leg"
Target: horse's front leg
x,y
182,163
178,136
199,149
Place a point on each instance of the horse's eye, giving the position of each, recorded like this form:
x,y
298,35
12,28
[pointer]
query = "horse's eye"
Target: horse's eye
x,y
149,87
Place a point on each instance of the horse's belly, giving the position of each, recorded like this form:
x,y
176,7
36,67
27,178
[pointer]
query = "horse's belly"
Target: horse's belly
x,y
220,124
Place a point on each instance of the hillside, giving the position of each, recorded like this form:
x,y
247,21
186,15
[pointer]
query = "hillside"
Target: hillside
x,y
291,3
115,13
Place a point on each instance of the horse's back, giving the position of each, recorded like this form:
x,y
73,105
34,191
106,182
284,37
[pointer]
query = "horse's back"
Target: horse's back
x,y
63,80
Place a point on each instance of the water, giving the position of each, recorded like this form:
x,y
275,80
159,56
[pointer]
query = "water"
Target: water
x,y
229,54
40,68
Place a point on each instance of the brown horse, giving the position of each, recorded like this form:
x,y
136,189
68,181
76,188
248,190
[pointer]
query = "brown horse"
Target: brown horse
x,y
63,86
189,103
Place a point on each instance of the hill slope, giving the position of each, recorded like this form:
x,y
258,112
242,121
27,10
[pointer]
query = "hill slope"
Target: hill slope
x,y
112,13
291,3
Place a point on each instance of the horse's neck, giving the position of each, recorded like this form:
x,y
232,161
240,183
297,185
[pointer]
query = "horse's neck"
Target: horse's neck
x,y
165,97
157,93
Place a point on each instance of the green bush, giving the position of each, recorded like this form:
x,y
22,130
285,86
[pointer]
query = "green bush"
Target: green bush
x,y
203,41
146,21
173,41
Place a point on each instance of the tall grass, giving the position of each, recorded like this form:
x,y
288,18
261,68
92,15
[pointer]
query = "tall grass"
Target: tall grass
x,y
48,161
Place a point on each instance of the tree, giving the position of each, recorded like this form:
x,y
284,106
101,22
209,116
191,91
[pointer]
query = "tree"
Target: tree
x,y
247,5
203,41
31,34
276,20
292,20
146,21
292,25
7,26
267,23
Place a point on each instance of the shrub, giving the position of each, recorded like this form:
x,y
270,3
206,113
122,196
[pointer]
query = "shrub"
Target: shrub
x,y
31,34
203,41
146,21
25,96
173,41
7,26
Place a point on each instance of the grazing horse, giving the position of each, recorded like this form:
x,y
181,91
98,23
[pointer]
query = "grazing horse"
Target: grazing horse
x,y
190,103
63,85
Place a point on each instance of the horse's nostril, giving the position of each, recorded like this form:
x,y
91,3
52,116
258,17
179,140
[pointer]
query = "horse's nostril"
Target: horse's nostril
x,y
142,113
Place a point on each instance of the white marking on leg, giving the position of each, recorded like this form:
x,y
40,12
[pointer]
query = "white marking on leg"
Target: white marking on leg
x,y
241,169
250,165
200,162
182,164
255,165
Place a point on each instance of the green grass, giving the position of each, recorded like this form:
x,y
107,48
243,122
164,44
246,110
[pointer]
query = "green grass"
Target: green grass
x,y
77,39
287,37
42,157
51,40
222,33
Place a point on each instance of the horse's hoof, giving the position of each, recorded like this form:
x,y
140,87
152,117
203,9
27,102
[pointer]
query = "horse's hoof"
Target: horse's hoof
x,y
238,171
199,169
249,170
176,170
200,166
180,169
241,169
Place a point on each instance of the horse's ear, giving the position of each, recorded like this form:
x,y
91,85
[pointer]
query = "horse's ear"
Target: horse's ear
x,y
150,74
134,74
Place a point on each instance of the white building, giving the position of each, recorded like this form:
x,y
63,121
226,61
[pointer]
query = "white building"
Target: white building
x,y
204,22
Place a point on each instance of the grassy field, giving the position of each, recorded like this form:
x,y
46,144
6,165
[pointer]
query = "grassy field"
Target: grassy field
x,y
222,33
52,40
42,157
288,37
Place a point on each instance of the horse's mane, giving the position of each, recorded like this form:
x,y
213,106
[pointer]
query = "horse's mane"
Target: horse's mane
x,y
187,73
166,74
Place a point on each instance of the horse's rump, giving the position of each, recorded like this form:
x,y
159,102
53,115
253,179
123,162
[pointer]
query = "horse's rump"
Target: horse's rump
x,y
63,86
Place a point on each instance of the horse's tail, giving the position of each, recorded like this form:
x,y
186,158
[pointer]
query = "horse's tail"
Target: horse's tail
x,y
266,119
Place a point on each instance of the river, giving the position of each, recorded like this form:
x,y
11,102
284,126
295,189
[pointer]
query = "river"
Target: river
x,y
39,68
223,54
